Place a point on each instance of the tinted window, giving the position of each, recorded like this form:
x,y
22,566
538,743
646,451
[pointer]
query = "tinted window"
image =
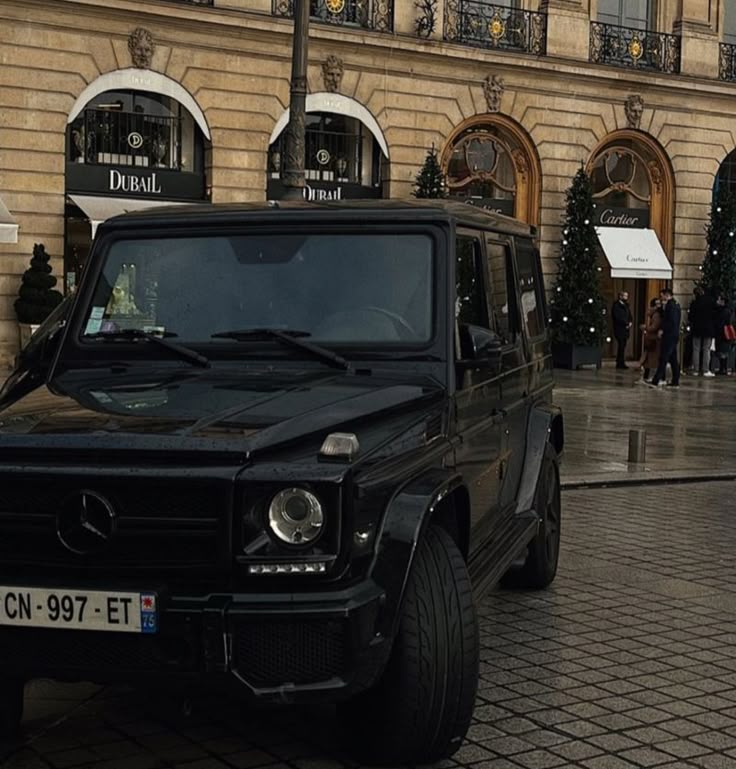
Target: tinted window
x,y
351,288
471,302
503,296
531,288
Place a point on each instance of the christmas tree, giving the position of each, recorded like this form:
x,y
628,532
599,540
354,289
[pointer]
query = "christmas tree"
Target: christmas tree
x,y
36,297
719,265
578,312
430,181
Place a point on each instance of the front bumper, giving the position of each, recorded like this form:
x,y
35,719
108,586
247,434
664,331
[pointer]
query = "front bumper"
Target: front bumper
x,y
293,647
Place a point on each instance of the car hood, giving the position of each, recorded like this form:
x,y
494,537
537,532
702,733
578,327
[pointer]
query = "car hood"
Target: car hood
x,y
212,410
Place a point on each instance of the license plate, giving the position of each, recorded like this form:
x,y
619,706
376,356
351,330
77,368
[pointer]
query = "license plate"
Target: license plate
x,y
79,609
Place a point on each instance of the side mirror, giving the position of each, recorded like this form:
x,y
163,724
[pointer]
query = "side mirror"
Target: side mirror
x,y
479,345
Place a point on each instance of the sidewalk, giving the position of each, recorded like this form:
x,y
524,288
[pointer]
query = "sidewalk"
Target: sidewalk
x,y
690,430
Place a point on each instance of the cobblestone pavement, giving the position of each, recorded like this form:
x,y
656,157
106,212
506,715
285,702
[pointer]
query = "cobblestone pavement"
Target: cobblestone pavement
x,y
628,660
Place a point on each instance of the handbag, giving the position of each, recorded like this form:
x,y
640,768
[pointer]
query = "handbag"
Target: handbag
x,y
729,332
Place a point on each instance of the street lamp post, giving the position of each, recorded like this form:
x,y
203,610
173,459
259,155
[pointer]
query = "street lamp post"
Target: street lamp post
x,y
293,173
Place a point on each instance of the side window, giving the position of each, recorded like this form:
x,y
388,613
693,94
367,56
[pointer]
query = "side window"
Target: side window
x,y
531,288
470,301
503,295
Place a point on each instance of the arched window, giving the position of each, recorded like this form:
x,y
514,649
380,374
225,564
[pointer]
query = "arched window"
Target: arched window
x,y
727,174
491,162
621,178
342,159
138,129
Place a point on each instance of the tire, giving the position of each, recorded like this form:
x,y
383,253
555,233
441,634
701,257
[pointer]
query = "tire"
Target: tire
x,y
421,707
540,566
11,706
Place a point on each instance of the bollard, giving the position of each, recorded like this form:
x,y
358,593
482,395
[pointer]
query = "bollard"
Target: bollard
x,y
637,446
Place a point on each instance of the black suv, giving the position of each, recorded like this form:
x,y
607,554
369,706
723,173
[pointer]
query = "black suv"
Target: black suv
x,y
284,447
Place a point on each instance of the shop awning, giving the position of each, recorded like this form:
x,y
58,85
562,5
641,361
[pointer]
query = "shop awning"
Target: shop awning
x,y
97,209
8,225
634,253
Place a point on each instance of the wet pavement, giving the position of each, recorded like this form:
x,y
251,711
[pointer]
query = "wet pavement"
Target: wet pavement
x,y
690,429
628,660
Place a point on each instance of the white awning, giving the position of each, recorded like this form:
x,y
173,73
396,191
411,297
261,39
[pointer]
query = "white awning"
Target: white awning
x,y
98,209
8,225
634,253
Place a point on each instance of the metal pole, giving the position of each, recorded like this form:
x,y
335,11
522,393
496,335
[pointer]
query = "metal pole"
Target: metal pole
x,y
293,168
637,446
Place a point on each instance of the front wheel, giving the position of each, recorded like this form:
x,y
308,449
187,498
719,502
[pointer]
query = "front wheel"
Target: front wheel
x,y
421,708
11,706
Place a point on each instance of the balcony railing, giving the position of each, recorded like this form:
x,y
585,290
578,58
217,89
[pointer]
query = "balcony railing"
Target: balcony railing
x,y
727,69
367,14
635,48
483,25
113,137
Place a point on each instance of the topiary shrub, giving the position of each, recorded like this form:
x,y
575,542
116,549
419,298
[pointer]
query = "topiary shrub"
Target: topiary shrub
x,y
36,296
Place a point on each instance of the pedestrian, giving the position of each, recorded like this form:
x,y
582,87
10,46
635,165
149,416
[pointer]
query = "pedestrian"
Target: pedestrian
x,y
652,343
669,335
701,317
725,333
622,320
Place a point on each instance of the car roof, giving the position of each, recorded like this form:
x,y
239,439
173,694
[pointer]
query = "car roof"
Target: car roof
x,y
401,210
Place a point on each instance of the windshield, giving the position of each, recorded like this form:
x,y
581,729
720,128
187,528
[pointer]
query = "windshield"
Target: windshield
x,y
353,289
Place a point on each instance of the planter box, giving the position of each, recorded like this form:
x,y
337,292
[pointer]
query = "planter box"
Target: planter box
x,y
25,331
573,356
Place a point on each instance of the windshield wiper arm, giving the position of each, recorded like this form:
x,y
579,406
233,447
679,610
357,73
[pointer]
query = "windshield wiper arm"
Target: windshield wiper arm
x,y
185,353
291,337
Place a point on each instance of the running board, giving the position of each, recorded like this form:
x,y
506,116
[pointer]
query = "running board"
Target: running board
x,y
494,559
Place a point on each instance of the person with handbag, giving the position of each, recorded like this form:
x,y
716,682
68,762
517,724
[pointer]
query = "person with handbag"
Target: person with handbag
x,y
652,343
725,333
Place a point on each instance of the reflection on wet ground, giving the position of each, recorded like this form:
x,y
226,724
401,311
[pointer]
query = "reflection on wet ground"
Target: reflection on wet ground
x,y
689,429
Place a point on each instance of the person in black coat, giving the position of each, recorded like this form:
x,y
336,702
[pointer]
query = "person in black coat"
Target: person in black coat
x,y
622,320
670,335
701,317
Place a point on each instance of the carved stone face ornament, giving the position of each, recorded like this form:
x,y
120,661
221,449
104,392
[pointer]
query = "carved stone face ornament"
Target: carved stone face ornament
x,y
141,47
332,72
493,88
634,108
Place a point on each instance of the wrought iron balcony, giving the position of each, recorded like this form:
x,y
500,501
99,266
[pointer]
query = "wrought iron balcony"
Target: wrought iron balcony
x,y
481,24
367,14
727,69
635,48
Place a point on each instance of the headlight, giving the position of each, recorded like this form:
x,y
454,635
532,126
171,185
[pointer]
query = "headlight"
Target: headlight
x,y
295,516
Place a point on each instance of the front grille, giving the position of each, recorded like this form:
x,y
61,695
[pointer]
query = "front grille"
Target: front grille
x,y
269,654
173,524
57,651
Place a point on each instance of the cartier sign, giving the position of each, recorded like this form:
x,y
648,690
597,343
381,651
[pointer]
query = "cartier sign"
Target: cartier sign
x,y
623,217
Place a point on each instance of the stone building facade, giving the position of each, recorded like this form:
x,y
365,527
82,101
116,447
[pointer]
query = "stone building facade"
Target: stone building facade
x,y
128,103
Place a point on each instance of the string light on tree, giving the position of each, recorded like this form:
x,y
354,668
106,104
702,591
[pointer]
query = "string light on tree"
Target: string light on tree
x,y
718,270
577,315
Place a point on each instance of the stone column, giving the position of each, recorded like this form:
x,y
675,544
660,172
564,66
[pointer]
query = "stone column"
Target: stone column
x,y
568,29
696,25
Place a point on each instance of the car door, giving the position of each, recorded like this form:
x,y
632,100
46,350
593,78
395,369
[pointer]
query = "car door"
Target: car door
x,y
513,374
477,398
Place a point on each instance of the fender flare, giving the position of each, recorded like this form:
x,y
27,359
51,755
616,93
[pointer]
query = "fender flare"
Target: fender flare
x,y
545,427
407,515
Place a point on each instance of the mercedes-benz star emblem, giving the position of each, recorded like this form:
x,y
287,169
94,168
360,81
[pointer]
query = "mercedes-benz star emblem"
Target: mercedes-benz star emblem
x,y
85,523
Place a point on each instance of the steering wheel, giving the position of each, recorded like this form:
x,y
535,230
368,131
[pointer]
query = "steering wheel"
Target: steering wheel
x,y
403,328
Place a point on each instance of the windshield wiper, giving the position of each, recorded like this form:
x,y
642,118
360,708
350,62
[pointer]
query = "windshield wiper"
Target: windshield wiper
x,y
291,337
185,353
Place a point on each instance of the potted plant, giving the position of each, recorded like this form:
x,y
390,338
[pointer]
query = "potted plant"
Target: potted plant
x,y
578,321
36,296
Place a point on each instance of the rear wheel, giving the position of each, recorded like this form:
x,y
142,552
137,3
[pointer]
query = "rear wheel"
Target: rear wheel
x,y
540,566
421,708
11,706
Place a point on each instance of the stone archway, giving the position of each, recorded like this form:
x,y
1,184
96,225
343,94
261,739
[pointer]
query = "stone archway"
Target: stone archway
x,y
633,186
492,161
